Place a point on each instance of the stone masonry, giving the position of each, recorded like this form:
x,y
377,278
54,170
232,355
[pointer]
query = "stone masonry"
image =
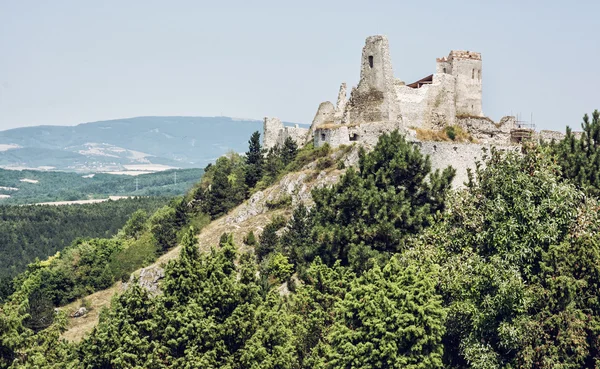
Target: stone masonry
x,y
381,103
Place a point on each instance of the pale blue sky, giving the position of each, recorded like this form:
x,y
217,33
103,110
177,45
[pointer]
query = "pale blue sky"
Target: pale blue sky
x,y
71,61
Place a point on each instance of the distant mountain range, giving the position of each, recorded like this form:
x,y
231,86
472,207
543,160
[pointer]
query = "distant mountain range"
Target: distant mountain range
x,y
142,143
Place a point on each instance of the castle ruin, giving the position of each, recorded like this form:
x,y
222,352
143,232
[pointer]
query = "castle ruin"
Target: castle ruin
x,y
381,103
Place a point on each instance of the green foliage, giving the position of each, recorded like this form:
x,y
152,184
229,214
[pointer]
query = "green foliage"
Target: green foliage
x,y
289,151
223,186
450,132
250,239
279,267
390,318
29,232
66,186
273,165
282,202
579,158
307,155
519,254
135,225
325,163
370,213
503,274
254,160
210,315
163,227
20,346
313,303
135,254
297,236
269,240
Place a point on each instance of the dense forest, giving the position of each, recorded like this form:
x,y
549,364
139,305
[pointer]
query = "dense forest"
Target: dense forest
x,y
38,231
66,186
389,269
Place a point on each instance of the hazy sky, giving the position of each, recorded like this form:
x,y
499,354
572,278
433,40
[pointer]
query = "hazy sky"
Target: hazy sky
x,y
67,62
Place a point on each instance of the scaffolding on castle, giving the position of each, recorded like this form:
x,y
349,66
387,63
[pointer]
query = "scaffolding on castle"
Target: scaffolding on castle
x,y
522,130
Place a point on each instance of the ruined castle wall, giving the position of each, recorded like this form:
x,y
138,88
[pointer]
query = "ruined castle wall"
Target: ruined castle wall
x,y
275,134
459,156
441,109
430,106
272,131
485,131
367,134
334,136
296,133
373,100
412,103
325,115
340,107
548,136
466,68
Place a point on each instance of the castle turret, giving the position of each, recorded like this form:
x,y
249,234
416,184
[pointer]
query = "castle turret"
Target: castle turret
x,y
373,100
465,66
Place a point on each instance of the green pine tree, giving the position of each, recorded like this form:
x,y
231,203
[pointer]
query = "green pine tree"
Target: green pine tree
x,y
254,161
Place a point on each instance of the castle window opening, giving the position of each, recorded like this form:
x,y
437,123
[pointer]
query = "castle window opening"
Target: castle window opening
x,y
353,137
322,136
473,74
444,70
479,75
371,61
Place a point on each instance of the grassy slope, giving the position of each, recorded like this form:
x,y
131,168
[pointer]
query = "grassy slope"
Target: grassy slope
x,y
307,178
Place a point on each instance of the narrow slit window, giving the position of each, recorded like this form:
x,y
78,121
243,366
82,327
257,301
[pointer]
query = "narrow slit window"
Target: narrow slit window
x,y
479,74
444,70
371,61
473,74
322,136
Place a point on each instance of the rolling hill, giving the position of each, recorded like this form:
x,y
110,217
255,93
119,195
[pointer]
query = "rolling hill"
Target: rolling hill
x,y
182,142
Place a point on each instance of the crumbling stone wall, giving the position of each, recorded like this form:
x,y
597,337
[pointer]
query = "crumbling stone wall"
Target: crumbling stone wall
x,y
325,115
430,106
548,136
275,133
367,134
272,129
373,100
460,156
486,131
340,107
333,135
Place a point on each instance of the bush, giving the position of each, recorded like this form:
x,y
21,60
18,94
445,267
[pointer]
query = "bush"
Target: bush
x,y
450,132
325,162
162,226
136,254
279,267
250,239
284,201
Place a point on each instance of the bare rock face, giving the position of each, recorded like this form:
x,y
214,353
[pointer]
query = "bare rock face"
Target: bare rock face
x,y
149,279
80,312
297,186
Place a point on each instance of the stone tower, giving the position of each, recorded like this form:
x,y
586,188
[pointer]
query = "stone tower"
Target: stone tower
x,y
465,66
373,99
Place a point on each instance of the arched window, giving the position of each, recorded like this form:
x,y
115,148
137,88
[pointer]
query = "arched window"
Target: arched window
x,y
444,70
